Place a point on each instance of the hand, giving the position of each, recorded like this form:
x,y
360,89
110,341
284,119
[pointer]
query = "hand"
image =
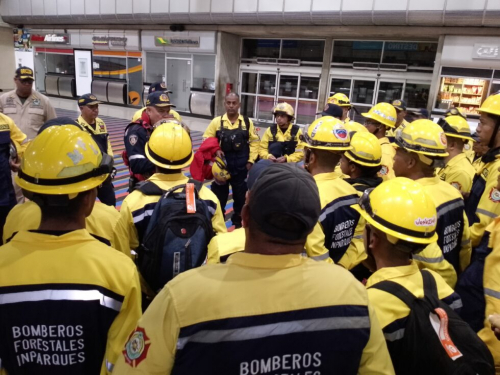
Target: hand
x,y
15,164
219,153
113,173
272,158
281,159
249,166
465,195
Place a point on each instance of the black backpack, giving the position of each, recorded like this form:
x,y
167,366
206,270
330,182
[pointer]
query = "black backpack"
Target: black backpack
x,y
421,351
175,240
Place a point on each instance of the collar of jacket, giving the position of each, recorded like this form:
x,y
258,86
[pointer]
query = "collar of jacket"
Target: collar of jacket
x,y
266,261
491,155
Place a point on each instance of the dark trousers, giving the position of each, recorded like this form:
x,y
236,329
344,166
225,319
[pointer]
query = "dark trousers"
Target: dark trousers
x,y
239,186
106,193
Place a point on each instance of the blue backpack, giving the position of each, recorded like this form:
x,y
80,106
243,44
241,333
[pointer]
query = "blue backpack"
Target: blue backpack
x,y
175,240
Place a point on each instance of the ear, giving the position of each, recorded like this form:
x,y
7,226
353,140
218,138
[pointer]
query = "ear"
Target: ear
x,y
245,215
412,160
89,201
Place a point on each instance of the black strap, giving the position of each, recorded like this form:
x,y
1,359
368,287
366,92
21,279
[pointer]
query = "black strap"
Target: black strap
x,y
150,188
294,131
430,287
396,290
274,132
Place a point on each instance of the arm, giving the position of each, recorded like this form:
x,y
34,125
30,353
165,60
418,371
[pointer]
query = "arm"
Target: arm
x,y
135,144
375,358
213,251
432,258
487,209
298,155
17,136
460,180
125,322
125,236
466,248
315,245
355,253
218,222
264,145
212,128
160,325
254,143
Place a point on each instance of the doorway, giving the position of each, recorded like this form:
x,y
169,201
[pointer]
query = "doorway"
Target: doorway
x,y
179,81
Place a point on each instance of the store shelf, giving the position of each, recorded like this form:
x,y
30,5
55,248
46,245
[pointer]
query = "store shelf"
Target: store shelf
x,y
464,93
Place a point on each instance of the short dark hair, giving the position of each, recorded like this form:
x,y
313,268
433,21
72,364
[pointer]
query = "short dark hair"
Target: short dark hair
x,y
62,212
327,159
370,172
232,94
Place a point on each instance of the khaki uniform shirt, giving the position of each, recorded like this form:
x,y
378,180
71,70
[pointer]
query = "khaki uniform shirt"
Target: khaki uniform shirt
x,y
30,116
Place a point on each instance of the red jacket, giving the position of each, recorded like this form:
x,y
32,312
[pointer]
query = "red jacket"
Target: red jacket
x,y
201,167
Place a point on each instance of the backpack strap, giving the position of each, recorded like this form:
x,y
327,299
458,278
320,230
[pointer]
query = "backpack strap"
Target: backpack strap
x,y
294,131
247,123
396,290
197,184
430,287
274,132
149,188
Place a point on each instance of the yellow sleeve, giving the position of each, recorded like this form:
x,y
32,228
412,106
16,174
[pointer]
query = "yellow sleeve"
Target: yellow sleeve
x,y
315,245
465,248
432,258
298,155
17,136
212,128
213,251
491,282
218,222
160,325
264,145
125,236
355,253
460,180
487,209
176,115
375,358
254,143
387,171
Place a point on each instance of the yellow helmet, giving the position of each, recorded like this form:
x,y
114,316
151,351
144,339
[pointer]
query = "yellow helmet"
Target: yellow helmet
x,y
423,137
401,208
353,126
457,127
366,150
63,160
456,111
340,99
170,146
219,170
384,113
327,133
491,105
284,108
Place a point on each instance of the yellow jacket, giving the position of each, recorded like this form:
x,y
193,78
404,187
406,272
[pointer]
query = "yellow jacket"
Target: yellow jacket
x,y
16,135
253,140
229,318
27,216
137,208
225,244
80,301
99,133
391,311
339,232
491,283
297,156
432,258
458,172
452,225
388,153
137,115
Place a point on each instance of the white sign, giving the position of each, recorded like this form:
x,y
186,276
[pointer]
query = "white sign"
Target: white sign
x,y
54,38
486,51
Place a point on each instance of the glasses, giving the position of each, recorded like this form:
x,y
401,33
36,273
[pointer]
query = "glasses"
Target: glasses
x,y
26,82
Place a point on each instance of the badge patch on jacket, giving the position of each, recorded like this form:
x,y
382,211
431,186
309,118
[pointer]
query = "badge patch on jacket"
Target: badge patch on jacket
x,y
133,139
384,170
495,195
456,185
136,349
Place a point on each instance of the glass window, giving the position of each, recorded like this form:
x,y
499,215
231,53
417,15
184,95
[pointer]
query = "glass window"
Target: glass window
x,y
309,87
347,52
363,92
249,83
64,64
288,86
306,112
389,91
155,67
110,67
267,84
265,107
135,86
416,95
305,50
340,85
413,54
495,87
204,72
253,48
247,105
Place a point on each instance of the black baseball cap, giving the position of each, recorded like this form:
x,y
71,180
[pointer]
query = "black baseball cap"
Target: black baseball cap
x,y
285,190
88,99
158,99
158,87
333,110
399,104
25,73
422,112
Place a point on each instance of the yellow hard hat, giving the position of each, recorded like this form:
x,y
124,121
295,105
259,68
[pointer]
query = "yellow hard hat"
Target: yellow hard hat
x,y
457,127
340,99
170,146
63,160
284,108
353,126
366,150
327,133
401,208
423,137
384,113
491,105
219,170
456,111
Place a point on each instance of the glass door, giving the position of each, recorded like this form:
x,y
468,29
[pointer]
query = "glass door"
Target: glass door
x,y
179,81
40,70
266,97
387,91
